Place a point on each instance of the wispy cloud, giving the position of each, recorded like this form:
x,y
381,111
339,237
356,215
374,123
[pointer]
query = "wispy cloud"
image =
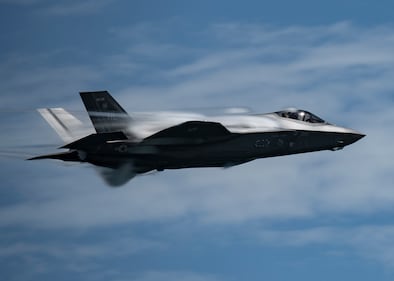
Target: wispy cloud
x,y
63,7
277,67
76,254
76,7
341,72
21,2
118,247
370,241
331,70
30,78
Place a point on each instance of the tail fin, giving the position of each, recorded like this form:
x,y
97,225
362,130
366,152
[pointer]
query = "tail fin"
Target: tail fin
x,y
105,112
66,125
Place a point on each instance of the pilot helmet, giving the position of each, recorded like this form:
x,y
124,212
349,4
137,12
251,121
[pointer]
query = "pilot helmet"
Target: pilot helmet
x,y
301,115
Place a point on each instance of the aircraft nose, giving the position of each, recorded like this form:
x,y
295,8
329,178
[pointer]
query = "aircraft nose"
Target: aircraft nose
x,y
355,137
349,138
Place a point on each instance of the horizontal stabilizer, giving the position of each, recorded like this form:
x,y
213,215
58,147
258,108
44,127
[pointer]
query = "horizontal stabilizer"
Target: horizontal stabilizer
x,y
93,140
66,125
65,156
191,132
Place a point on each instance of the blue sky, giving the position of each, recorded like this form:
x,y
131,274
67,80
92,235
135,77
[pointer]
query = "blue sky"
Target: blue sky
x,y
313,216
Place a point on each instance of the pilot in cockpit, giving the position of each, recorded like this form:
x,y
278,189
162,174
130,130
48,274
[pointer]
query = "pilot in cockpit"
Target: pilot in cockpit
x,y
301,115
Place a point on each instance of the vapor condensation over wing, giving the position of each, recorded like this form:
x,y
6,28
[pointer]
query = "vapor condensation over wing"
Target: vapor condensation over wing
x,y
71,125
142,124
66,125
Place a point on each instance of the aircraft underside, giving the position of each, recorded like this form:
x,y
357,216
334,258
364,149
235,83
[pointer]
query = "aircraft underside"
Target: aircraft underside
x,y
237,150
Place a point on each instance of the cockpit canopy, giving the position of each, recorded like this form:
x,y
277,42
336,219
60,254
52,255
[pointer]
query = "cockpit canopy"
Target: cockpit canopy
x,y
301,115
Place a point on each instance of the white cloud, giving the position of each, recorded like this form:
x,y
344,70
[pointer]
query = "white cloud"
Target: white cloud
x,y
21,2
341,72
329,69
77,7
117,247
29,81
73,253
291,66
61,8
370,241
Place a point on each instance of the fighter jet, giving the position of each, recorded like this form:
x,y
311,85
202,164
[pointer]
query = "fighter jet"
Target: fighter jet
x,y
124,146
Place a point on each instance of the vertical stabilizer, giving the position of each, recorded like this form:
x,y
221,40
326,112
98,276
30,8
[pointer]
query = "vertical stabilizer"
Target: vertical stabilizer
x,y
105,112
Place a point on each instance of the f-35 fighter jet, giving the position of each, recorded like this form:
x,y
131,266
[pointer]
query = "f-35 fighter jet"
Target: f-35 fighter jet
x,y
124,146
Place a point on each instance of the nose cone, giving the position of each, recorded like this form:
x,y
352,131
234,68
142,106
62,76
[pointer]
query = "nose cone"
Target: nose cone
x,y
352,138
345,139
